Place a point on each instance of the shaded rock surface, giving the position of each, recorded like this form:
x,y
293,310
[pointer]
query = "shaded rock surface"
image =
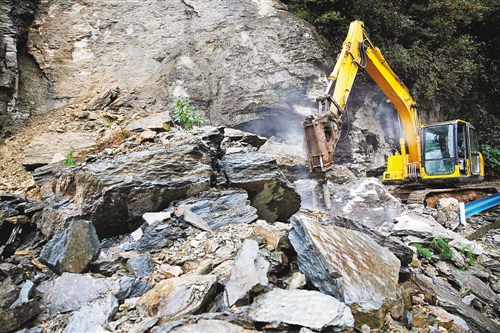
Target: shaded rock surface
x,y
73,249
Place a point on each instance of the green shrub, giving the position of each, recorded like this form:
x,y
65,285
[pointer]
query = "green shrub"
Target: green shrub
x,y
187,115
70,159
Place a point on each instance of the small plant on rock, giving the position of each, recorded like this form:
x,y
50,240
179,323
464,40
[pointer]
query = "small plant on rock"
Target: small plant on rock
x,y
423,251
439,244
186,114
467,251
70,158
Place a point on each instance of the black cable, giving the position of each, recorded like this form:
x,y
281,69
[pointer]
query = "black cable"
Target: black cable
x,y
348,125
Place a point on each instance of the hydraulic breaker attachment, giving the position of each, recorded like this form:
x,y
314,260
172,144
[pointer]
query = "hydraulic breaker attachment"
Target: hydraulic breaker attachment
x,y
321,134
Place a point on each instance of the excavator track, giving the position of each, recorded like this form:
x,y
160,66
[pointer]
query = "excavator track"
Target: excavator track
x,y
421,196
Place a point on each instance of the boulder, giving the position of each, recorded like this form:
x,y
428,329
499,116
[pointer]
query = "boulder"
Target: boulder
x,y
348,265
176,297
218,207
307,308
127,287
365,200
141,266
70,291
14,317
73,249
8,293
114,192
257,173
248,275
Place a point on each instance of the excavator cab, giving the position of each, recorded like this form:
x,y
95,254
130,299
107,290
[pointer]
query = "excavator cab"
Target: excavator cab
x,y
450,153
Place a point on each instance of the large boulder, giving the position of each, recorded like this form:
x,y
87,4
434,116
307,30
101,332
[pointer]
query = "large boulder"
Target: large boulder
x,y
348,265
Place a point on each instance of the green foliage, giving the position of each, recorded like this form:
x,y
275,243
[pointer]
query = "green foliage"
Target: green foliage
x,y
467,250
123,135
187,115
444,249
70,159
423,251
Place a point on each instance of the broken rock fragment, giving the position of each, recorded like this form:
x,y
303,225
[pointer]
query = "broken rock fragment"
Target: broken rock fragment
x,y
249,274
73,249
176,297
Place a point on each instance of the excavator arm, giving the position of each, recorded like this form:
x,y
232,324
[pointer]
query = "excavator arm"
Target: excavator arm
x,y
322,130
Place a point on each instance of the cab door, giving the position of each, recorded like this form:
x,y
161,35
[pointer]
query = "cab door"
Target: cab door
x,y
473,152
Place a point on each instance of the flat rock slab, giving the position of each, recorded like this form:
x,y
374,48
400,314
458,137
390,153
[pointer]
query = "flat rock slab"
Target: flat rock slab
x,y
176,297
212,326
70,291
348,265
96,313
157,121
42,148
303,308
220,207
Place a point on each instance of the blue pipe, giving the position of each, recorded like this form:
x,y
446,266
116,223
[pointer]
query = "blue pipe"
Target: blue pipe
x,y
478,206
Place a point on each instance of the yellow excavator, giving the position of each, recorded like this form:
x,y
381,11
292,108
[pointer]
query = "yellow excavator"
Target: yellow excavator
x,y
445,153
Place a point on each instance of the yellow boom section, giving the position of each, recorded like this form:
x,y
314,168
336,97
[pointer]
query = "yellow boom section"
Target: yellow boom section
x,y
322,131
358,51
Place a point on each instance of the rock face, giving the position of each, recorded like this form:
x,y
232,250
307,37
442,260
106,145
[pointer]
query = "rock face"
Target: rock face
x,y
246,57
16,66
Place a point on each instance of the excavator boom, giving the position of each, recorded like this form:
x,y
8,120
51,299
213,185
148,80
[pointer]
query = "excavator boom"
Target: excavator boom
x,y
437,153
322,130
